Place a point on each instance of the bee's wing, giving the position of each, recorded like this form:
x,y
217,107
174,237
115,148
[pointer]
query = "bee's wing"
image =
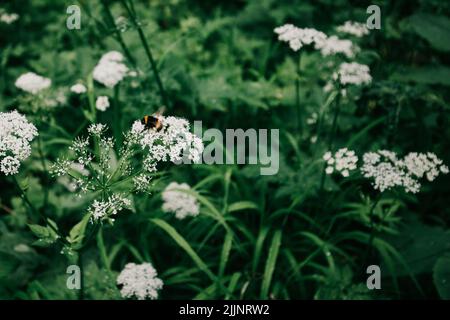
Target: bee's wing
x,y
160,111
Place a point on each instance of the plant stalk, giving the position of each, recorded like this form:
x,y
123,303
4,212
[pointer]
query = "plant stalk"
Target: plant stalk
x,y
147,52
297,95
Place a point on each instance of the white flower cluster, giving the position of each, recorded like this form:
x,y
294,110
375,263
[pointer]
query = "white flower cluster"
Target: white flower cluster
x,y
357,29
16,133
424,164
104,209
343,161
97,129
102,103
110,70
8,18
32,83
353,73
333,45
387,171
142,182
298,37
140,281
179,202
78,88
78,168
173,142
72,184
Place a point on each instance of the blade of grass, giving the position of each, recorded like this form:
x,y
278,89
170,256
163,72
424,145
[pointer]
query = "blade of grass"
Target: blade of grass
x,y
185,246
270,264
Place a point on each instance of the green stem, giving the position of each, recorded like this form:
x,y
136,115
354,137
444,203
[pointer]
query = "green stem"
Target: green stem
x,y
117,33
148,53
102,249
25,197
331,136
335,121
372,230
117,120
227,182
34,210
44,168
297,95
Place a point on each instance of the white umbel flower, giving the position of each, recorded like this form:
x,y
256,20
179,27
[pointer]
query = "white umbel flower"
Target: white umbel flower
x,y
356,29
110,70
179,202
104,209
97,129
8,18
32,83
173,142
16,133
424,165
102,103
140,281
298,37
142,182
353,74
333,45
387,171
343,161
78,88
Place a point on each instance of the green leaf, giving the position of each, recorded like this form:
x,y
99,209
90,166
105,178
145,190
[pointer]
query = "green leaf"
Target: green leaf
x,y
77,233
242,205
46,235
270,264
438,74
39,231
227,244
441,276
433,28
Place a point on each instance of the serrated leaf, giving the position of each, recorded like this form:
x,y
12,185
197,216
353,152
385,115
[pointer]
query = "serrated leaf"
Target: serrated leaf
x,y
39,231
76,234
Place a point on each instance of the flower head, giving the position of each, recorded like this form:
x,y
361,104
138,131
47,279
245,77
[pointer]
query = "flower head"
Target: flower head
x,y
343,161
353,73
140,281
32,83
179,202
387,171
16,133
8,18
357,29
174,142
104,209
102,103
97,129
298,37
78,88
333,45
110,70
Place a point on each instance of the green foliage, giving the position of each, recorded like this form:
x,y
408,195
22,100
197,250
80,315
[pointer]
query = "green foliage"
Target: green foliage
x,y
298,234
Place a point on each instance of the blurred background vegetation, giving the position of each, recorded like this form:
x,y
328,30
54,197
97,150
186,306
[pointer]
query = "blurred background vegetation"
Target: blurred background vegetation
x,y
220,62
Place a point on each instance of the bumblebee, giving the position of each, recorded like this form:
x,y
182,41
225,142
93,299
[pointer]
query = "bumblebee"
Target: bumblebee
x,y
151,122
